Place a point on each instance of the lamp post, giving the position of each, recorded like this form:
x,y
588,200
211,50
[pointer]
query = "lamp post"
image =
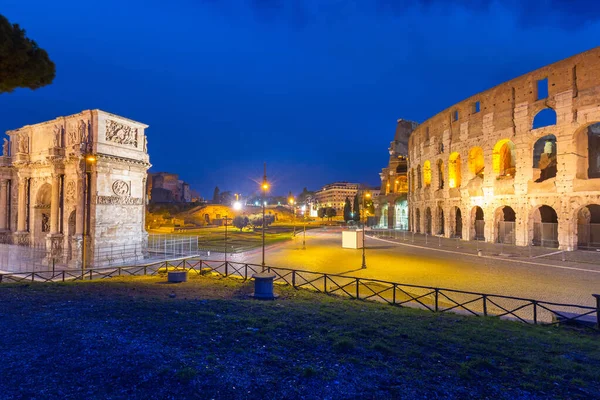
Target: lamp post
x,y
304,223
364,261
265,186
292,203
88,160
226,218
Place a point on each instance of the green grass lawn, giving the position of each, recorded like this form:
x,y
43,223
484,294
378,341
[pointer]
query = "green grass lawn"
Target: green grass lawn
x,y
213,238
139,338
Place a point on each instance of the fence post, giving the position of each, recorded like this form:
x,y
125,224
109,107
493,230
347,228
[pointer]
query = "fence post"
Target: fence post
x,y
394,294
357,289
90,274
63,275
325,283
484,298
245,272
597,296
534,312
294,278
437,291
226,269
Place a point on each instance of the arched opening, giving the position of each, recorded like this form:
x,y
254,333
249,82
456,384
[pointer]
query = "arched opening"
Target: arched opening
x,y
476,162
544,117
454,170
419,178
588,152
503,158
418,221
428,221
401,213
441,224
505,218
427,173
588,227
544,158
40,217
383,219
545,227
458,223
440,174
478,224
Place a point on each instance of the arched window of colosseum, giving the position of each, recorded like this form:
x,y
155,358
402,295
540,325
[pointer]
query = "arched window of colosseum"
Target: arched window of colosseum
x,y
545,117
419,178
503,158
544,158
593,142
454,170
476,163
427,173
440,174
417,221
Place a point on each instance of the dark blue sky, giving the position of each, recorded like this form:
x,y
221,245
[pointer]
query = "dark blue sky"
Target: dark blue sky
x,y
313,88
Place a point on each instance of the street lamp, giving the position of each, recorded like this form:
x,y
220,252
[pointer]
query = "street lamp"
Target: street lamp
x,y
237,206
364,261
304,222
88,161
293,204
264,187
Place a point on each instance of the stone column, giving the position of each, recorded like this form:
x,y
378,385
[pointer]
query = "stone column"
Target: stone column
x,y
80,204
3,203
22,209
54,203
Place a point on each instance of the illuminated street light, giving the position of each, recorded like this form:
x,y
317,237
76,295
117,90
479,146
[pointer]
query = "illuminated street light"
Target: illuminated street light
x,y
293,204
237,206
265,187
89,160
304,221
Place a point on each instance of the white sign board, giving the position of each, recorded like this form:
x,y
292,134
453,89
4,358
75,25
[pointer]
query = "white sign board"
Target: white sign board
x,y
352,239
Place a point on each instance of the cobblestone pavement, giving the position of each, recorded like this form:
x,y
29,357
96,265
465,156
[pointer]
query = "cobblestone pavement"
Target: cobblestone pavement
x,y
504,270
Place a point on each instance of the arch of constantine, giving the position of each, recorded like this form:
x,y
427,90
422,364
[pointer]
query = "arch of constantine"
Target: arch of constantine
x,y
74,179
518,163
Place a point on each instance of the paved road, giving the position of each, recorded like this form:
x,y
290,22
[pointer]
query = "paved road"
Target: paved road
x,y
538,279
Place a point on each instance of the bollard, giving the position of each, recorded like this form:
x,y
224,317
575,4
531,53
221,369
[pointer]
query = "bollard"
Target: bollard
x,y
263,286
425,238
439,241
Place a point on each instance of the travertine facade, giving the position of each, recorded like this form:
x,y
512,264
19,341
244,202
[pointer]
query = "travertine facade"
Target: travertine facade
x,y
75,177
518,163
392,210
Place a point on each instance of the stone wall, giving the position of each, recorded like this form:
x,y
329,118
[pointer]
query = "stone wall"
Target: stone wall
x,y
530,135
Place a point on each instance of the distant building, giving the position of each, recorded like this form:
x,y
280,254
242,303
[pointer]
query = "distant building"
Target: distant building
x,y
334,195
164,187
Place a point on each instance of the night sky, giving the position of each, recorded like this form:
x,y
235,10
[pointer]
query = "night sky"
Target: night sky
x,y
314,88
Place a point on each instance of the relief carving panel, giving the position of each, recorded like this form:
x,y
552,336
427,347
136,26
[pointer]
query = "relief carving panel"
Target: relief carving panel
x,y
121,133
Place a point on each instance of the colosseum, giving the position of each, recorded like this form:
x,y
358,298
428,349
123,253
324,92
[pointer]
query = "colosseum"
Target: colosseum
x,y
518,163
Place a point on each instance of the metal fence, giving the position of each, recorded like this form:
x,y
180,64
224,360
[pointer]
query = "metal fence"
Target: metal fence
x,y
429,298
15,258
545,234
588,236
506,232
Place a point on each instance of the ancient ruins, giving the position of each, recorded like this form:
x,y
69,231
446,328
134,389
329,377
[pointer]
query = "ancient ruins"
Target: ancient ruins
x,y
74,179
518,163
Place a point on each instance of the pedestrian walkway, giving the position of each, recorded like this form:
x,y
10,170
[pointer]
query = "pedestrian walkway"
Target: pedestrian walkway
x,y
536,254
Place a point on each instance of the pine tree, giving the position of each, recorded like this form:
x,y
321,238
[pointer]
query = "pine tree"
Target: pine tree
x,y
356,208
347,210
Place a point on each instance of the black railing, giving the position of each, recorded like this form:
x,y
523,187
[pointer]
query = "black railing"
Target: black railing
x,y
434,299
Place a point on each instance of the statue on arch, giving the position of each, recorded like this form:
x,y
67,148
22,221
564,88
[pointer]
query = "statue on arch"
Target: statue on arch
x,y
5,147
